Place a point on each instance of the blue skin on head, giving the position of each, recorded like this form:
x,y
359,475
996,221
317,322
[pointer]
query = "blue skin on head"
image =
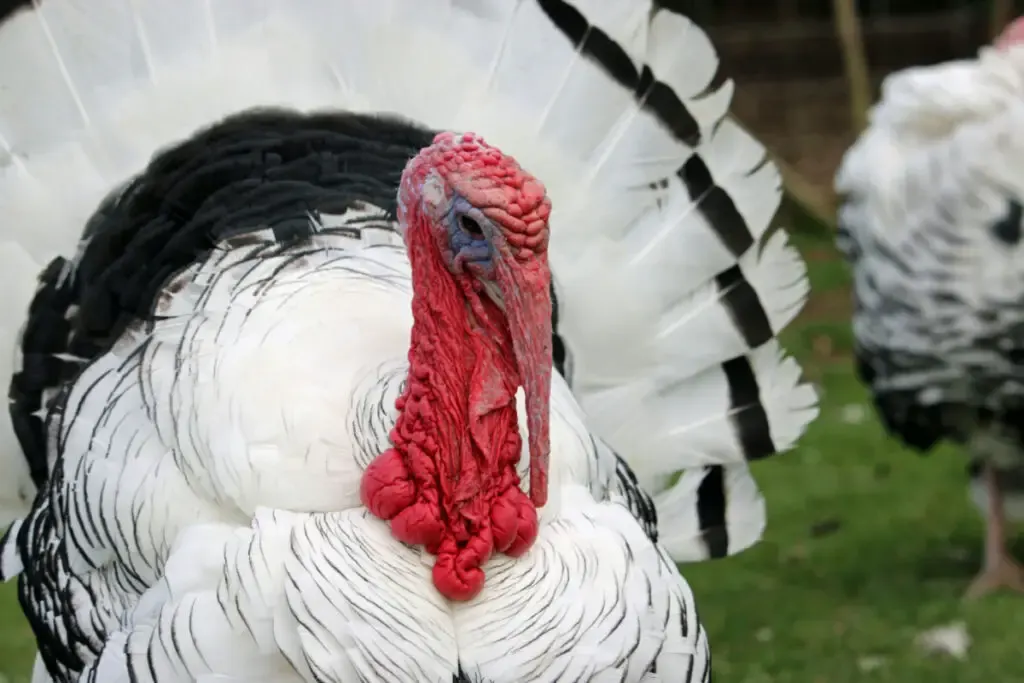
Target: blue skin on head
x,y
468,231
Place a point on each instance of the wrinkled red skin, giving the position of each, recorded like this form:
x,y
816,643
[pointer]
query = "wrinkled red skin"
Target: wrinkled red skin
x,y
449,482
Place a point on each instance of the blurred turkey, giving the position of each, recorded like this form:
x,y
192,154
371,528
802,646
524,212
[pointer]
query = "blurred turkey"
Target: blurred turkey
x,y
931,223
298,405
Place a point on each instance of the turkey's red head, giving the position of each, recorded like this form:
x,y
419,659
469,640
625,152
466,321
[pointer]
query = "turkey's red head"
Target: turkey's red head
x,y
489,222
1012,35
476,228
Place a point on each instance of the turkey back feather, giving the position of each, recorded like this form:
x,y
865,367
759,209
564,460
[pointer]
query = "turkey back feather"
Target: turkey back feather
x,y
931,223
668,299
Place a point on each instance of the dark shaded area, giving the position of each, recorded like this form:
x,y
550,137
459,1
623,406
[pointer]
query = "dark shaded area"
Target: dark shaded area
x,y
1008,229
790,39
7,7
825,527
760,10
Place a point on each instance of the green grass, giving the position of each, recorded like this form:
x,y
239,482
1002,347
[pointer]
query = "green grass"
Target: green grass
x,y
17,648
867,546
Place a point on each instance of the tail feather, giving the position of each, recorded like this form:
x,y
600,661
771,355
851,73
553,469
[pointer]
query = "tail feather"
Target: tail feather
x,y
715,512
748,408
741,308
698,244
667,306
673,110
670,312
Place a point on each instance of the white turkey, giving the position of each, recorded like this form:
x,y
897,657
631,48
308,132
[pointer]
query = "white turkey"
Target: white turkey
x,y
931,224
290,402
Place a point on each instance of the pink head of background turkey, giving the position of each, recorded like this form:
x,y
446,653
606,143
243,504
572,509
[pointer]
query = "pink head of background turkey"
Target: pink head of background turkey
x,y
1012,35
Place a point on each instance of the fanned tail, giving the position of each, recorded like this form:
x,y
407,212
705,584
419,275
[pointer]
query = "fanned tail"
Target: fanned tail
x,y
668,304
670,310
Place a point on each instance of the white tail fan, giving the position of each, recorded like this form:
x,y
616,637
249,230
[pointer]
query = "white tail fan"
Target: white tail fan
x,y
667,304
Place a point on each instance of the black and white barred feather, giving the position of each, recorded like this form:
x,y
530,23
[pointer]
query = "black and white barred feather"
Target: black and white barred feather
x,y
931,224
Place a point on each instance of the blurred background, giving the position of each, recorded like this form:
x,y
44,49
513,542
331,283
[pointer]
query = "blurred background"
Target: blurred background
x,y
807,70
869,547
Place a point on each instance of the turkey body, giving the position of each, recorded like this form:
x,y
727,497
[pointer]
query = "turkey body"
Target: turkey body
x,y
206,419
931,224
202,384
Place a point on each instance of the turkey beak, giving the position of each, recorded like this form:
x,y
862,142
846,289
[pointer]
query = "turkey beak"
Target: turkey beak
x,y
525,286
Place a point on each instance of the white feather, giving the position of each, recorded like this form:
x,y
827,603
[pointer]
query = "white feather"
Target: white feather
x,y
305,591
699,426
324,589
744,516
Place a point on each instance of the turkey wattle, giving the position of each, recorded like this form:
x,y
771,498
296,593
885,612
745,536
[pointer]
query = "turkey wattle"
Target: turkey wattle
x,y
299,291
931,224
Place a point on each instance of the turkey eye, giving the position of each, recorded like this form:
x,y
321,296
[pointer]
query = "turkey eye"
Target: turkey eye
x,y
471,227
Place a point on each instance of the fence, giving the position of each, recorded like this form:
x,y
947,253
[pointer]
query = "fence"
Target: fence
x,y
793,88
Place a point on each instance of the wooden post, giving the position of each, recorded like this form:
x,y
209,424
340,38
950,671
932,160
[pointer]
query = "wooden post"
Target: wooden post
x,y
1000,14
855,62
